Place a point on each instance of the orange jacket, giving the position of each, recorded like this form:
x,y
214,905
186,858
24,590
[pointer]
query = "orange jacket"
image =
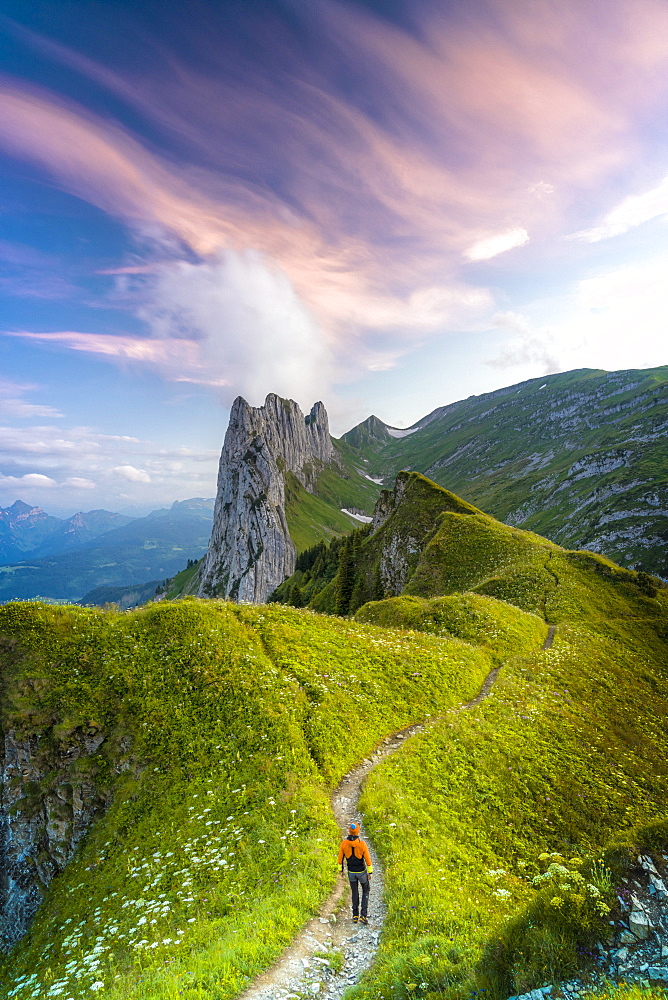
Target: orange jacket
x,y
356,854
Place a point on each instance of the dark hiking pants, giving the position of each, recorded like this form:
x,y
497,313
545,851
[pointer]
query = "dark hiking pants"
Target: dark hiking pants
x,y
356,880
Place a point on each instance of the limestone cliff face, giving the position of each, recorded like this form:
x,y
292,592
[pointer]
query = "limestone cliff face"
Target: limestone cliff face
x,y
49,798
250,551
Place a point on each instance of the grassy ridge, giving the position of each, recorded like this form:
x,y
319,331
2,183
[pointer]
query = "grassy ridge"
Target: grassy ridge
x,y
431,543
219,841
568,753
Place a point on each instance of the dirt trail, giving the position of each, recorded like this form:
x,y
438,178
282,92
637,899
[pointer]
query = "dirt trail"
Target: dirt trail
x,y
308,966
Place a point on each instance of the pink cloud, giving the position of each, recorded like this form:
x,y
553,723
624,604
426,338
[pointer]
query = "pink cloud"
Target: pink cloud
x,y
365,197
130,269
177,358
128,348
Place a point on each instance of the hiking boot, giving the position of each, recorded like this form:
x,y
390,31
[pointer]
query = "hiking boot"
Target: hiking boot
x,y
355,919
364,920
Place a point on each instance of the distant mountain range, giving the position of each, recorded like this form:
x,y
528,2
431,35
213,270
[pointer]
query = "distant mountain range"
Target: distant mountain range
x,y
579,457
66,559
26,530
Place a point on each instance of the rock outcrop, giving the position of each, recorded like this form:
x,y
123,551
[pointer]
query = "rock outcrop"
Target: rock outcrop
x,y
49,798
251,552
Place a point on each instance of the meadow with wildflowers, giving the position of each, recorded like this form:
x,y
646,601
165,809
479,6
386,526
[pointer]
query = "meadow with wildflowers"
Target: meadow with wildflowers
x,y
226,727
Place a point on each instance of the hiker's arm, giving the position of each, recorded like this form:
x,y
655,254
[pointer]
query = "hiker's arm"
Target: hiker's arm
x,y
369,862
340,861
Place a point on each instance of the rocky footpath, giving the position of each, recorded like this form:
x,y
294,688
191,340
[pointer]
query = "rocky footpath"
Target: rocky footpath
x,y
332,952
50,795
637,948
251,551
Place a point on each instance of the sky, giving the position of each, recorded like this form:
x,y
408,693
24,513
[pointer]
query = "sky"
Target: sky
x,y
387,205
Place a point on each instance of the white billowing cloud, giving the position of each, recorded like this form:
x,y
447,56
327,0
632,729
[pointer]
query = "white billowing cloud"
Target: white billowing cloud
x,y
252,330
528,347
131,474
614,320
492,246
37,481
30,480
631,212
73,461
620,315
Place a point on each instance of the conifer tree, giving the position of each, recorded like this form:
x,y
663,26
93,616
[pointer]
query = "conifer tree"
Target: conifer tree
x,y
346,577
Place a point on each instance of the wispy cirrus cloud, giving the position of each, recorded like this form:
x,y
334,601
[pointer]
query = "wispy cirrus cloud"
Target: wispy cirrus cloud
x,y
12,402
30,273
321,200
630,212
492,246
175,357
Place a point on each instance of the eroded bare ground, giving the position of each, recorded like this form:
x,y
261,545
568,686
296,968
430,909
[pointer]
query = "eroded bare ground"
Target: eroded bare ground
x,y
330,953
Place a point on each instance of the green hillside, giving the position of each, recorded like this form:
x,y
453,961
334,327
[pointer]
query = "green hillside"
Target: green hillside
x,y
318,515
124,597
218,840
578,457
226,727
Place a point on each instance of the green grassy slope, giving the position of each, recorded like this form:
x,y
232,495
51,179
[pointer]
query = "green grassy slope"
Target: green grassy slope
x,y
568,754
243,718
578,457
310,518
317,516
431,543
225,728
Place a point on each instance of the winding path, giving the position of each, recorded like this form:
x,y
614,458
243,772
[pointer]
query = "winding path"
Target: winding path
x,y
309,965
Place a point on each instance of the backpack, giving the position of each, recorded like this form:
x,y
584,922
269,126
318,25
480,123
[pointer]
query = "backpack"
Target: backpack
x,y
354,863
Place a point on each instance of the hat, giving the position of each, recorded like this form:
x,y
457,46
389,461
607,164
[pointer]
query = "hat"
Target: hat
x,y
354,828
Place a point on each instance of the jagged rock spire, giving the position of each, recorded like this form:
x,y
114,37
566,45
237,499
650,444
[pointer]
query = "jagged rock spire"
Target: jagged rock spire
x,y
250,551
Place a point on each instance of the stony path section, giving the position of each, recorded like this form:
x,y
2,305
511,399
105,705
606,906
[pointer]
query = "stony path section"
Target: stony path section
x,y
331,953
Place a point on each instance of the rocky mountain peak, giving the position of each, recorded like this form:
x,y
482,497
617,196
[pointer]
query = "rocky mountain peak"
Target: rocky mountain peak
x,y
19,510
371,429
251,551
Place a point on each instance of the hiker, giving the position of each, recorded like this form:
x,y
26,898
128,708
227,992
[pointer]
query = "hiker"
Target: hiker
x,y
360,868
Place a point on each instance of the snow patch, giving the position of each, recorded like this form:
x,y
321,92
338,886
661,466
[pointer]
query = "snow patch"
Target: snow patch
x,y
396,433
358,517
372,479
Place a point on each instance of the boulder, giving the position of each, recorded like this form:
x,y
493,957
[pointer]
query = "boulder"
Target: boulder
x,y
640,924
